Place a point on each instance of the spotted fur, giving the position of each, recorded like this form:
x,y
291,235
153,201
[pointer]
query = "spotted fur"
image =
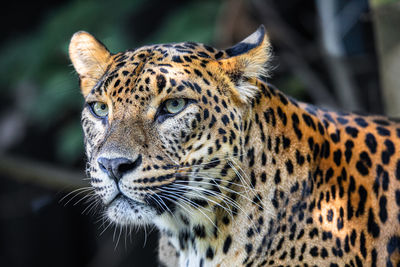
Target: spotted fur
x,y
243,175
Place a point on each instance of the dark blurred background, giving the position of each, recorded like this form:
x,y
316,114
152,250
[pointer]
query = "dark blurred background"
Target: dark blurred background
x,y
334,53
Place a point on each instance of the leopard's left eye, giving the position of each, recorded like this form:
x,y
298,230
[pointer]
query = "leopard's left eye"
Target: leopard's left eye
x,y
171,107
99,109
176,105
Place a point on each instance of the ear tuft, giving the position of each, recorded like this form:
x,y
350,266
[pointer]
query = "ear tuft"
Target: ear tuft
x,y
90,59
250,42
248,61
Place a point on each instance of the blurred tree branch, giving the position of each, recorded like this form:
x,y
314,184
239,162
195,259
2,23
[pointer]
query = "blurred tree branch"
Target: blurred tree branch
x,y
295,48
29,171
387,24
333,47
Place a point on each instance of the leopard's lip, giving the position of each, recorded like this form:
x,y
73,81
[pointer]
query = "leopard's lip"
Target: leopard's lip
x,y
121,196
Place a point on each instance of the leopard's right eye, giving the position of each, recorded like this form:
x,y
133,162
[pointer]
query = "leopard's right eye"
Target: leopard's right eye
x,y
99,109
176,105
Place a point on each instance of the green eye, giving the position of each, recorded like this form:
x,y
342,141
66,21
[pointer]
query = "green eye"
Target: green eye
x,y
100,109
173,106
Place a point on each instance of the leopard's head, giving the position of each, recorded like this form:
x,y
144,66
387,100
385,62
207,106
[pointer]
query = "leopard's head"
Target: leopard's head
x,y
164,125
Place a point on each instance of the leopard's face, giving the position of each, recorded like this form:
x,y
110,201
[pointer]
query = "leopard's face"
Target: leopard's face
x,y
152,148
162,128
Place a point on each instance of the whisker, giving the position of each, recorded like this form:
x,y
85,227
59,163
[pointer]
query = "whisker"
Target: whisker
x,y
91,206
244,180
162,202
182,198
231,201
225,188
225,157
173,200
192,193
87,196
119,236
109,224
145,236
77,192
205,177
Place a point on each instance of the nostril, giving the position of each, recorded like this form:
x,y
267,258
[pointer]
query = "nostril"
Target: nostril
x,y
123,166
138,162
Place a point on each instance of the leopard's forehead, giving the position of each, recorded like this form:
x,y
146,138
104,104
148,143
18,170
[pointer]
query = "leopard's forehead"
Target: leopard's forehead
x,y
141,78
188,50
169,55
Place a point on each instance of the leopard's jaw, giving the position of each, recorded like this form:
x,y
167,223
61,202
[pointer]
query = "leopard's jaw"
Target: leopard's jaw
x,y
127,212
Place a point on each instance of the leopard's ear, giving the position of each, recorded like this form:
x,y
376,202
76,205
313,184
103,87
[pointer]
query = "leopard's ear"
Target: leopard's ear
x,y
90,59
247,61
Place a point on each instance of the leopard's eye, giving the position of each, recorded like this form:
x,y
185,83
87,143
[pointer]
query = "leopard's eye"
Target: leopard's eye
x,y
173,106
99,109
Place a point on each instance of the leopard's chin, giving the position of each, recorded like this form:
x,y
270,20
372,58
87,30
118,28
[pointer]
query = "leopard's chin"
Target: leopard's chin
x,y
125,211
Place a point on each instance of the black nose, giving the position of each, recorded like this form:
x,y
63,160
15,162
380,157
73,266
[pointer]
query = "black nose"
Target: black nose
x,y
117,167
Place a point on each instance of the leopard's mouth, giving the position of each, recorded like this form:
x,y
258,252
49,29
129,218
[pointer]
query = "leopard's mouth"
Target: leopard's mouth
x,y
157,201
125,204
122,197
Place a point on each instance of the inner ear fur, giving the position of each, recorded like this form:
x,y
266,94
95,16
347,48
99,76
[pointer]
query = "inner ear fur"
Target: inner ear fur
x,y
90,59
247,60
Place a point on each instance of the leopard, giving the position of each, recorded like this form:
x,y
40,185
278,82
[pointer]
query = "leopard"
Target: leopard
x,y
195,141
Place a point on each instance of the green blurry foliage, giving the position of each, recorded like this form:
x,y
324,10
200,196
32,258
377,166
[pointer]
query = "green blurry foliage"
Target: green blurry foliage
x,y
382,2
40,58
195,22
293,86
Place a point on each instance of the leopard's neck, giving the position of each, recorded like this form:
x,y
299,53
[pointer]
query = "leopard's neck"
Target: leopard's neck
x,y
285,142
277,165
